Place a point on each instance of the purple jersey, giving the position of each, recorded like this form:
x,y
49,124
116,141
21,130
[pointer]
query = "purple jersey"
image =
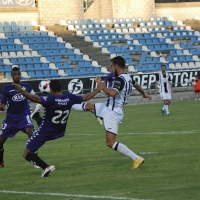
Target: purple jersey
x,y
56,113
17,104
110,78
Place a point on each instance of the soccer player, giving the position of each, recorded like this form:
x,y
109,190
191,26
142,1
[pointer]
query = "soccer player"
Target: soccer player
x,y
109,79
112,110
18,111
164,81
57,109
196,84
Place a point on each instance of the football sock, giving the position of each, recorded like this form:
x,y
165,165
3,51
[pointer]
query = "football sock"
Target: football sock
x,y
125,150
38,119
79,107
166,108
1,153
163,108
33,158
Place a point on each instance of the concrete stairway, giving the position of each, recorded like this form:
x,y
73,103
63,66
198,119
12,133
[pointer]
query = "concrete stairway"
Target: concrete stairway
x,y
87,48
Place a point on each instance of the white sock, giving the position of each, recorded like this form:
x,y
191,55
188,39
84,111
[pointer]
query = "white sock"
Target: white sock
x,y
166,108
125,150
79,107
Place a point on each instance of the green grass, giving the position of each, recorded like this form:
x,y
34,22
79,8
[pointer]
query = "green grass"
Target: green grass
x,y
86,166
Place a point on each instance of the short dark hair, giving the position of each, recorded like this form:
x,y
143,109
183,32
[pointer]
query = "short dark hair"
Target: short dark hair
x,y
119,60
55,85
163,66
15,69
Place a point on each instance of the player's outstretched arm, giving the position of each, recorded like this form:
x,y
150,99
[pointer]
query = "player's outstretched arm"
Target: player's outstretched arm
x,y
100,86
31,97
2,107
156,85
139,89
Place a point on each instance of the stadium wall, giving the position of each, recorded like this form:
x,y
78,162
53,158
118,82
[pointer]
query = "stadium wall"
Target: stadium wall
x,y
52,11
102,9
46,13
180,11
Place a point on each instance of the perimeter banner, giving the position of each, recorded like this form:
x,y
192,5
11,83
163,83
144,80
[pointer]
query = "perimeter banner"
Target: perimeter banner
x,y
17,3
85,85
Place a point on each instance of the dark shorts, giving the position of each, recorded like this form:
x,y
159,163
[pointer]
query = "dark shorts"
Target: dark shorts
x,y
11,126
39,138
197,91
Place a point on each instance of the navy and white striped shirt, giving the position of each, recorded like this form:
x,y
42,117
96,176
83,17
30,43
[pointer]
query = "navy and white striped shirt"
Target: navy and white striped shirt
x,y
124,85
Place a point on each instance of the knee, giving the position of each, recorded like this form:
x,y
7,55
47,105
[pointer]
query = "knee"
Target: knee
x,y
29,132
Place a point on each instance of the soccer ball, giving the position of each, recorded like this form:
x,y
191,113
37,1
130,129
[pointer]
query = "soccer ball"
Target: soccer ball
x,y
44,86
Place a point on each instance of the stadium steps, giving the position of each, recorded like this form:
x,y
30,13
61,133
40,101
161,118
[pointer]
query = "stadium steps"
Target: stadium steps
x,y
87,48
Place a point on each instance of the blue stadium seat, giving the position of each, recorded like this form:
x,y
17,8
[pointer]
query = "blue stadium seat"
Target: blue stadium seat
x,y
32,74
29,60
14,61
61,66
23,68
66,65
38,67
54,73
39,74
30,68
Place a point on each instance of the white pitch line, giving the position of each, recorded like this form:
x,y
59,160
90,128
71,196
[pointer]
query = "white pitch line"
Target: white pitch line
x,y
147,153
68,195
152,133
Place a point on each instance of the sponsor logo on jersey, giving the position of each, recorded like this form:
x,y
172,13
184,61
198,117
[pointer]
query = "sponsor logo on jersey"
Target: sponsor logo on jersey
x,y
75,86
18,97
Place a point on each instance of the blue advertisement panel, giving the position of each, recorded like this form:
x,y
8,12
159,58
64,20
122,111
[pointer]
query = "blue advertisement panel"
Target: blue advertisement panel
x,y
17,3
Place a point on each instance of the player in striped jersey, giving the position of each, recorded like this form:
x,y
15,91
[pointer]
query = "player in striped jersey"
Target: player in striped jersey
x,y
164,81
112,110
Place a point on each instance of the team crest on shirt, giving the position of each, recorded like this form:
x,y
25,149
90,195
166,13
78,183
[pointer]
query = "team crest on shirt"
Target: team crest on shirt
x,y
18,97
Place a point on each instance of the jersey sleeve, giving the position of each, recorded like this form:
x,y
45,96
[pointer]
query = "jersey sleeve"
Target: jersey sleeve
x,y
170,79
157,77
75,99
3,96
46,100
118,84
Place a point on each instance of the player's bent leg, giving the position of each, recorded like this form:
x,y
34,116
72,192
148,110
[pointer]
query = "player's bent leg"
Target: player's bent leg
x,y
36,111
112,143
2,141
34,159
29,131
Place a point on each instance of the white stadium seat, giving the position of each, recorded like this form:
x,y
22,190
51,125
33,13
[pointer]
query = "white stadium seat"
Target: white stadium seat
x,y
61,72
44,60
69,46
95,64
104,70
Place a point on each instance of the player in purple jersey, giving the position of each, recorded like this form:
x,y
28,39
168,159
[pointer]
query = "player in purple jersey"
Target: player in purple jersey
x,y
18,111
57,109
109,79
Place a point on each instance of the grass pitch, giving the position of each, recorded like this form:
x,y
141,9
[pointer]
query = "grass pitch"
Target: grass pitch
x,y
87,169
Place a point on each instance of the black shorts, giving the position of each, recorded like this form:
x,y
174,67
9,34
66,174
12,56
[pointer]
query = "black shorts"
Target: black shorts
x,y
197,91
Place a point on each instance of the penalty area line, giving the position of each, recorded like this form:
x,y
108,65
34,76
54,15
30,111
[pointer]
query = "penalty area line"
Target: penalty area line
x,y
67,195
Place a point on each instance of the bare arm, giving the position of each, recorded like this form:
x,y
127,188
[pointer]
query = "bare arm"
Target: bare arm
x,y
31,97
156,85
140,89
170,84
2,107
110,91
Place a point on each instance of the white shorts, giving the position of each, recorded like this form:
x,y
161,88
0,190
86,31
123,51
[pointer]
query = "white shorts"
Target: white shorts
x,y
165,96
110,117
